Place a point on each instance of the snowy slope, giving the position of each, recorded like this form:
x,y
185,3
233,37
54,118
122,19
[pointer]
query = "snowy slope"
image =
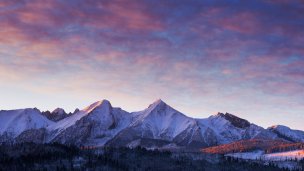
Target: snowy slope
x,y
69,121
284,160
159,125
255,155
14,122
92,126
163,121
287,133
296,154
281,156
224,131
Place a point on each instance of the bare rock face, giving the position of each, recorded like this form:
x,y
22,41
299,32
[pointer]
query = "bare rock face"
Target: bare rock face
x,y
75,111
57,115
236,121
76,134
33,135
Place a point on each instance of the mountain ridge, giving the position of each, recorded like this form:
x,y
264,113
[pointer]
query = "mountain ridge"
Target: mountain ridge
x,y
158,126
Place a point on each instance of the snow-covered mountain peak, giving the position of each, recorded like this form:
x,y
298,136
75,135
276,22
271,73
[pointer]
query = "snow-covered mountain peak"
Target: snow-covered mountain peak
x,y
160,108
156,126
102,106
155,106
17,121
102,110
98,104
161,122
158,102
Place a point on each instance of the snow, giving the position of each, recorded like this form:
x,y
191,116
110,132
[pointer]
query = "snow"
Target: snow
x,y
69,121
15,122
297,154
106,121
282,159
104,117
295,135
255,155
158,121
224,131
162,120
134,144
281,156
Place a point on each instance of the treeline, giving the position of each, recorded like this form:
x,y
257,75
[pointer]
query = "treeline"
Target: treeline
x,y
244,146
258,166
57,157
268,146
285,147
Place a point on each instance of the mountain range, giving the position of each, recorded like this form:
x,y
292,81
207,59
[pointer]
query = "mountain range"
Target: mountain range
x,y
157,127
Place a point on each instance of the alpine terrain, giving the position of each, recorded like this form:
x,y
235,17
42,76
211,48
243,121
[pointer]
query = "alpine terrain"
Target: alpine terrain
x,y
157,127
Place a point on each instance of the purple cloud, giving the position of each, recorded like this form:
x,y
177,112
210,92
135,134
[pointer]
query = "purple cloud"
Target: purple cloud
x,y
213,53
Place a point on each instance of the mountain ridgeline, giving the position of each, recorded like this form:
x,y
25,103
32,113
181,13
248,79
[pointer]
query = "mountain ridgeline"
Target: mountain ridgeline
x,y
158,127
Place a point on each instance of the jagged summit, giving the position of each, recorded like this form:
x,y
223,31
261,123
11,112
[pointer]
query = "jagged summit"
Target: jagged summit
x,y
158,102
76,111
234,120
56,115
58,111
103,106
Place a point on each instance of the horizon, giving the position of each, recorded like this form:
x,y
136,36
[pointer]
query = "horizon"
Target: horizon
x,y
200,57
156,101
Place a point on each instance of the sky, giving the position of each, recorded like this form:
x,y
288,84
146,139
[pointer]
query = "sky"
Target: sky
x,y
200,57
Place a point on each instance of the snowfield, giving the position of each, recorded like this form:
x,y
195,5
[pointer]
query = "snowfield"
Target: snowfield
x,y
282,156
248,155
297,154
282,159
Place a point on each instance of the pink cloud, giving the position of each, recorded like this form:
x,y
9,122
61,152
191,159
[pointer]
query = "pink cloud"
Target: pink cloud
x,y
120,15
243,22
